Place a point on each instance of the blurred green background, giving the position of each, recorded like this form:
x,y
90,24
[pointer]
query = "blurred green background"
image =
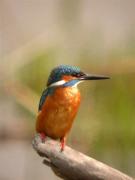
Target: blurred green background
x,y
97,36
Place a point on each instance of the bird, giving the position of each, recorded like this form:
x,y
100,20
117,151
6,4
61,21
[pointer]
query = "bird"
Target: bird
x,y
60,101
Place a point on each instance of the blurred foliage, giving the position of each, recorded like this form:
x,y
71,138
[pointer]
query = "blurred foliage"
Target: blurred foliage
x,y
34,74
116,112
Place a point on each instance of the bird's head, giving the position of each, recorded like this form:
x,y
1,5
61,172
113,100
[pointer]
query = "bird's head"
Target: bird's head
x,y
65,75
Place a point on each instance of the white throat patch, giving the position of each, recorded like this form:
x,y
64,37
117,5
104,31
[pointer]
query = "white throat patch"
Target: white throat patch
x,y
58,83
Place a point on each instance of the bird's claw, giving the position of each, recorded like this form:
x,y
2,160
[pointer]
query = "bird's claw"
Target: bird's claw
x,y
42,136
62,144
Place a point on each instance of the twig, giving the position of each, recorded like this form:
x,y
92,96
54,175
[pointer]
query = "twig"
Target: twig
x,y
71,164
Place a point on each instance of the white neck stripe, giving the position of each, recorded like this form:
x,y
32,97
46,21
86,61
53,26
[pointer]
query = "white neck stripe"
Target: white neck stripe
x,y
58,83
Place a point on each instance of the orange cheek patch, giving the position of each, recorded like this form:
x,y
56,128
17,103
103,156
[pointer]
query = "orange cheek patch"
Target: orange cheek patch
x,y
68,78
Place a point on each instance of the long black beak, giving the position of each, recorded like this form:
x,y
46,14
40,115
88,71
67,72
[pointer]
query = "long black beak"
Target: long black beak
x,y
93,77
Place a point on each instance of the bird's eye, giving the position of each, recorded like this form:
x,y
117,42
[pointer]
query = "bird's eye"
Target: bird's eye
x,y
78,74
82,73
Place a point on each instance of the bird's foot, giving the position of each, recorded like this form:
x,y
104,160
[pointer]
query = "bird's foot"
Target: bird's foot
x,y
62,143
42,136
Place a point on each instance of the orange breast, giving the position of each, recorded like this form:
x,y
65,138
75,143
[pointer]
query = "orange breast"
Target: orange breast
x,y
58,112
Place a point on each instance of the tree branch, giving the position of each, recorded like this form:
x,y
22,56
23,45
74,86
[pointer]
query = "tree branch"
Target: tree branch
x,y
73,165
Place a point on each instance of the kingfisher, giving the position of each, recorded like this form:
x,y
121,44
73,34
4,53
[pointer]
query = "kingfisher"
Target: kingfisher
x,y
60,101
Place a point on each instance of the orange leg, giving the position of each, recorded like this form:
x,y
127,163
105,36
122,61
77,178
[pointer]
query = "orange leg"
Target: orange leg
x,y
62,143
42,136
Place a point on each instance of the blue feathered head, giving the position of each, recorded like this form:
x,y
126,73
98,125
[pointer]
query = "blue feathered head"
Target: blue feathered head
x,y
63,70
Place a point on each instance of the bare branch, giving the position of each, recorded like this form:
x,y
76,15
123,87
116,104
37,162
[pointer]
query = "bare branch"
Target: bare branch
x,y
71,164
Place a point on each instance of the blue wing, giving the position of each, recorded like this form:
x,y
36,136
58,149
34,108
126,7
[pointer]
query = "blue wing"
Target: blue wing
x,y
44,95
43,98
